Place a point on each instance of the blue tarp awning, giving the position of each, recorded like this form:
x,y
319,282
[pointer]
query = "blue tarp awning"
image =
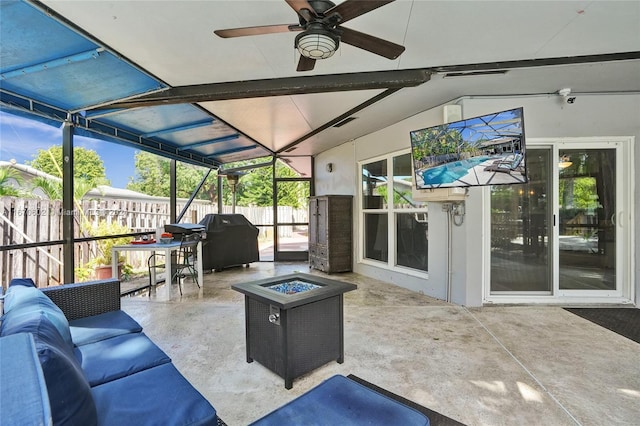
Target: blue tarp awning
x,y
53,72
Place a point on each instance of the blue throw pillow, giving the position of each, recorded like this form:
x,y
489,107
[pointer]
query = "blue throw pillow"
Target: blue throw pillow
x,y
18,295
22,300
69,392
27,282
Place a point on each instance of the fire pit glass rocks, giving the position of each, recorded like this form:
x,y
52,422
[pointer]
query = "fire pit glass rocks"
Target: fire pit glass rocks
x,y
294,323
293,287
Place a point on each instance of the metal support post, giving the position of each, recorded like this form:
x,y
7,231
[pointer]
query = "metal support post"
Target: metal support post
x,y
68,208
172,192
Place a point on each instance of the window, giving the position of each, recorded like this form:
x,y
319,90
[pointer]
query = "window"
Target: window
x,y
392,221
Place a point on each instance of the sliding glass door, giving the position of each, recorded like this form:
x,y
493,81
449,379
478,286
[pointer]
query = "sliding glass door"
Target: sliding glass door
x,y
521,255
559,235
586,219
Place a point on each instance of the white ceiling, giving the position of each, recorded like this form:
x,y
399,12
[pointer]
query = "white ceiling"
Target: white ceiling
x,y
174,41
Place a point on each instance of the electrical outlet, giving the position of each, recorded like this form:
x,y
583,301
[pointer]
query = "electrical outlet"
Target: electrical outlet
x,y
458,209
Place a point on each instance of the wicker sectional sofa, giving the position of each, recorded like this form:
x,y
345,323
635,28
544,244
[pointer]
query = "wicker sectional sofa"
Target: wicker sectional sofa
x,y
98,365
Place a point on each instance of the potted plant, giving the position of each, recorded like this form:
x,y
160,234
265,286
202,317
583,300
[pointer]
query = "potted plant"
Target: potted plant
x,y
101,263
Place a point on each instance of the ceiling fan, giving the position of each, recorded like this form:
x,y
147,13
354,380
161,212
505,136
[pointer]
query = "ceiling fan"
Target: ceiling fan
x,y
320,23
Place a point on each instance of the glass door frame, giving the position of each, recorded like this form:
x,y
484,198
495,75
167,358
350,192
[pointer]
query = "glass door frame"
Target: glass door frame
x,y
624,290
547,237
287,255
620,184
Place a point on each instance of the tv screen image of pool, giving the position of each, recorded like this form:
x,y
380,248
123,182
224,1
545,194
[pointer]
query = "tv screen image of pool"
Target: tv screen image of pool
x,y
485,150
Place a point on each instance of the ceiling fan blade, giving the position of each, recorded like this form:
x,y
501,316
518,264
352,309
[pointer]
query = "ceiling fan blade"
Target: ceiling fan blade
x,y
370,43
303,8
250,31
353,8
305,64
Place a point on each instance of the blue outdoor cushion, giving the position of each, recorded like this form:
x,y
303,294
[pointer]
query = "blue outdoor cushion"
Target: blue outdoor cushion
x,y
21,302
18,295
119,356
27,282
104,326
23,392
341,401
69,392
156,396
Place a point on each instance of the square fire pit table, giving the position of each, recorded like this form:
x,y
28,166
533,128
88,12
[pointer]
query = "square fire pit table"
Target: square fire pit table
x,y
294,323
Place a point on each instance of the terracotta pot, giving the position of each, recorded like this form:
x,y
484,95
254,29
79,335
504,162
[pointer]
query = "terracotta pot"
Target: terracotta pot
x,y
103,272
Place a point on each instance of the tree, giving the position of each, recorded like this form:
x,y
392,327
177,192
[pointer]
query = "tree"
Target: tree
x,y
435,141
50,187
256,188
7,174
153,175
53,188
87,164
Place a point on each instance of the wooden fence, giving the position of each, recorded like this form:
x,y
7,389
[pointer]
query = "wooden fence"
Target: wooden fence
x,y
24,221
28,221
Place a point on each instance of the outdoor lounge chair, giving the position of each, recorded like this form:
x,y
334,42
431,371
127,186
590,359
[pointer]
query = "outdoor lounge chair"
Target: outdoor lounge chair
x,y
506,165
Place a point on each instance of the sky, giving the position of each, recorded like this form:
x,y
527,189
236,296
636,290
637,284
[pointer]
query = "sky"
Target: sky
x,y
21,138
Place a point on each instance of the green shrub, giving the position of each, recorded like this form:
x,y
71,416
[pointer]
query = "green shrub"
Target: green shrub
x,y
103,228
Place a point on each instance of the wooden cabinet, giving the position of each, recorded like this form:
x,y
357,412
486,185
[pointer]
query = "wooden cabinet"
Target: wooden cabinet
x,y
330,233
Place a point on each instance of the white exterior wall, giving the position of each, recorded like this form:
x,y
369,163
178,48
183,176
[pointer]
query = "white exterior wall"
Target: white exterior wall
x,y
545,117
340,181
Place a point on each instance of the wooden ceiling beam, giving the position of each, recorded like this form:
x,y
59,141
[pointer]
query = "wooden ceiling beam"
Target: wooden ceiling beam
x,y
374,80
381,80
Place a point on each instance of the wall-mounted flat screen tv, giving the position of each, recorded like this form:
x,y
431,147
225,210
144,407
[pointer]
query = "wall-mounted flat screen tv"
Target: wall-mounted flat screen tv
x,y
485,150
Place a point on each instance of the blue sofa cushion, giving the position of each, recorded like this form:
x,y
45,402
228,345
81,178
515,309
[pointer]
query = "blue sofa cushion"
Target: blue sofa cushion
x,y
104,326
119,356
23,392
22,300
158,395
341,401
27,282
69,392
18,295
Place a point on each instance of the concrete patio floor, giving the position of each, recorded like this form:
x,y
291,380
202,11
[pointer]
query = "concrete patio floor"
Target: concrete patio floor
x,y
509,365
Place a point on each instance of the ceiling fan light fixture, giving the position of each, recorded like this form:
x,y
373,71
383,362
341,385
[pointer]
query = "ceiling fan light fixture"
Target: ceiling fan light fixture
x,y
317,44
564,162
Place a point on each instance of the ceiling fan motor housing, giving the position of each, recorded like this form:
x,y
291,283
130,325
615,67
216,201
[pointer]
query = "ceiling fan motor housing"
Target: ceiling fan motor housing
x,y
321,6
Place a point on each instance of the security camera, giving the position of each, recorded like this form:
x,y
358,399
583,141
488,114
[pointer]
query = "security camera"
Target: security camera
x,y
564,92
566,95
